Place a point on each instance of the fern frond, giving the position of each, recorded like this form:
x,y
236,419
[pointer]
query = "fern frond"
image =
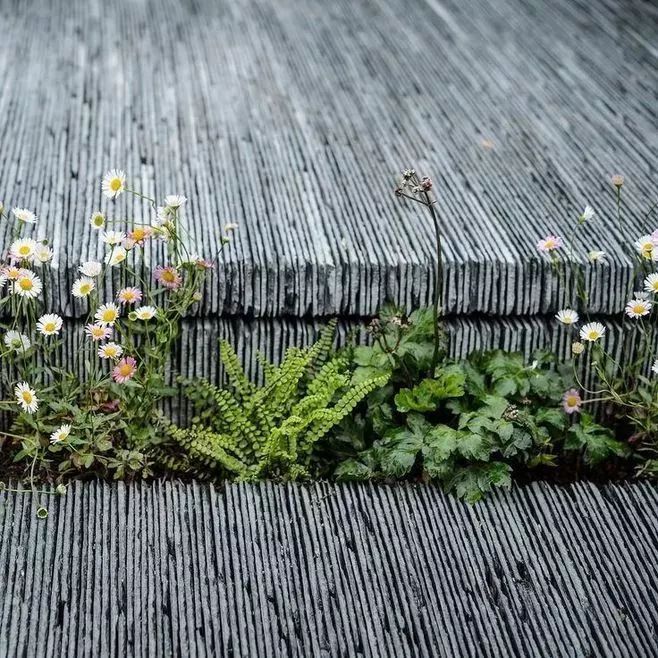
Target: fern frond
x,y
234,370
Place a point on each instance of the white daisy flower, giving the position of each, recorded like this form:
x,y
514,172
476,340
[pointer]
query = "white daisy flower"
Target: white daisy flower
x,y
113,237
83,287
654,367
592,331
26,397
116,256
49,324
638,308
97,220
114,183
646,248
28,284
567,316
145,312
110,351
229,228
17,341
91,268
595,255
12,272
60,434
175,200
651,283
107,314
23,248
24,215
588,214
42,254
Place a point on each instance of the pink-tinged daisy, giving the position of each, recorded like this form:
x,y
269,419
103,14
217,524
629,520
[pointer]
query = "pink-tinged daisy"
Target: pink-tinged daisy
x,y
12,272
124,370
592,331
168,277
203,264
571,401
28,284
114,183
567,316
110,351
140,234
98,331
550,243
49,324
638,308
107,314
26,397
129,295
24,215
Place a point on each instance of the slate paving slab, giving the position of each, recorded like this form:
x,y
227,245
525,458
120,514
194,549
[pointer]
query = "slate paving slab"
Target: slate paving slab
x,y
167,568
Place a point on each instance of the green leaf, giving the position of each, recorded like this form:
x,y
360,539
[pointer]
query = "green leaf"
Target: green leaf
x,y
426,396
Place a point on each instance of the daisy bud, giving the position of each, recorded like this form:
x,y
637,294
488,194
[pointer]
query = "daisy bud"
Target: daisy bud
x,y
425,184
617,180
577,348
60,489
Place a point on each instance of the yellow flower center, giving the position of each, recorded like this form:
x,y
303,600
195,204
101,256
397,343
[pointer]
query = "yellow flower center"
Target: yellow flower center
x,y
98,220
26,284
572,401
168,276
593,334
27,397
115,184
125,369
109,315
24,250
49,326
138,234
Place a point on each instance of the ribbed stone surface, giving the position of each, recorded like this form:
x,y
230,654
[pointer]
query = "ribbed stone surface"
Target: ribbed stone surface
x,y
292,118
170,569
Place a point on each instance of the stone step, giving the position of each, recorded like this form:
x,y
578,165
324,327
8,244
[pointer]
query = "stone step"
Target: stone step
x,y
293,120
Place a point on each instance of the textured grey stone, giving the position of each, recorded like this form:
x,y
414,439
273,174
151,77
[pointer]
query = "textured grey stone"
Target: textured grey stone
x,y
168,568
293,119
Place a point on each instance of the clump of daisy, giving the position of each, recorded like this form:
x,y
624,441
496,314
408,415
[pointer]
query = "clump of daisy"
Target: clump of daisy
x,y
24,215
130,295
124,370
60,434
114,183
83,287
28,285
550,243
26,397
97,220
592,331
49,324
107,314
567,316
571,401
637,308
168,277
98,331
91,268
16,341
110,351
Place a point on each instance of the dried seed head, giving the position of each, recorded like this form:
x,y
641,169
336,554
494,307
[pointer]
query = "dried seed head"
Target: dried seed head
x,y
426,183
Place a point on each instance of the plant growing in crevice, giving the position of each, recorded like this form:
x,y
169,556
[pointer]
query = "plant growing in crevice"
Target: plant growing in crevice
x,y
271,430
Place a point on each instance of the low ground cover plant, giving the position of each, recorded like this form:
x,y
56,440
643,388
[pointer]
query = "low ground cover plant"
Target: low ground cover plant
x,y
395,407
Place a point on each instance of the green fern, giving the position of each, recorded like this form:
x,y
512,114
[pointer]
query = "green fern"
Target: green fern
x,y
251,431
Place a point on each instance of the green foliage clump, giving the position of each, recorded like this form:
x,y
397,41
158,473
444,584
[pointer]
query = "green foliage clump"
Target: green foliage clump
x,y
468,424
253,431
